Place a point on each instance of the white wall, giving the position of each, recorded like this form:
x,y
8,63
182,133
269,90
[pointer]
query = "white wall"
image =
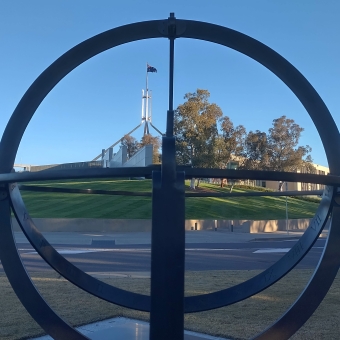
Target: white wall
x,y
142,158
119,158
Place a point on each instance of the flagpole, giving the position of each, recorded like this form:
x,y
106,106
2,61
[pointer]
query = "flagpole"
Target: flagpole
x,y
147,97
143,106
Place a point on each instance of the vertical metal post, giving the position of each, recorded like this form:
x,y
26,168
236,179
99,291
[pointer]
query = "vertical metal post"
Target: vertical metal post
x,y
287,228
170,114
168,233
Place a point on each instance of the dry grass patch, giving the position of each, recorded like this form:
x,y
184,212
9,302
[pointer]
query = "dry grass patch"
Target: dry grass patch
x,y
239,321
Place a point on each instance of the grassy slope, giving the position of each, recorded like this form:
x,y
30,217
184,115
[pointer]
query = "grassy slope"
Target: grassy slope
x,y
59,205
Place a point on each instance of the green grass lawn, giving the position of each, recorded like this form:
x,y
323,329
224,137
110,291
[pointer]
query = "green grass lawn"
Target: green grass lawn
x,y
239,321
59,205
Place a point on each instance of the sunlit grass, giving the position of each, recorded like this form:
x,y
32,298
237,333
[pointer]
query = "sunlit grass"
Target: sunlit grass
x,y
60,205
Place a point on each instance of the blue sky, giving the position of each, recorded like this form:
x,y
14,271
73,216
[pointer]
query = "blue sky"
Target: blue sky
x,y
100,101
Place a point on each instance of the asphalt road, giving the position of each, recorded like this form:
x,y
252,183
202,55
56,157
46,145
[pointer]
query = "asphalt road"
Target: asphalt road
x,y
199,256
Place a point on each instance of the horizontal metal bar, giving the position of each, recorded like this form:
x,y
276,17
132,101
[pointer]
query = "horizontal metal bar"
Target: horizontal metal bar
x,y
259,193
262,175
149,194
83,191
48,175
189,173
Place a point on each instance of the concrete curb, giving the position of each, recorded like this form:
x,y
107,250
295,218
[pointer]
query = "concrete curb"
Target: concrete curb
x,y
144,225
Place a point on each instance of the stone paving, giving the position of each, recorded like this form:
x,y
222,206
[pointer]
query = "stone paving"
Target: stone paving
x,y
126,329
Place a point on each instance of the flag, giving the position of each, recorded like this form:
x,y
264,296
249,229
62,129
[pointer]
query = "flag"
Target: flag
x,y
150,69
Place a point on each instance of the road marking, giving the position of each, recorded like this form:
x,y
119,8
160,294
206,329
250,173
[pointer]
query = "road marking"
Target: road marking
x,y
92,250
95,250
277,250
207,249
71,251
272,250
65,251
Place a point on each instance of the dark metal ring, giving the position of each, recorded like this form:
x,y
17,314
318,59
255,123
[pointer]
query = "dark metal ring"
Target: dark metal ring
x,y
68,270
196,30
29,296
198,303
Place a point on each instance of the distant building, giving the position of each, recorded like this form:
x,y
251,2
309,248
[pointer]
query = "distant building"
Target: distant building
x,y
299,186
289,186
142,157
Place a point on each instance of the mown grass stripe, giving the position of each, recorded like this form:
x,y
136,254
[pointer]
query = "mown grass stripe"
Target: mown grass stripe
x,y
61,205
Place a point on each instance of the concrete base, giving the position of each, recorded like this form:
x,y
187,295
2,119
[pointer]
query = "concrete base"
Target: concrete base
x,y
125,329
140,225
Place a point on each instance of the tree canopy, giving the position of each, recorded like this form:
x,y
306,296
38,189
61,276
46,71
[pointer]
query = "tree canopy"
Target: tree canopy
x,y
133,145
156,142
255,151
283,150
206,138
195,129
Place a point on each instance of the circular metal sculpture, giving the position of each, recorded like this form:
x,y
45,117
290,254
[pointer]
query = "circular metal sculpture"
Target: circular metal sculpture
x,y
167,303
